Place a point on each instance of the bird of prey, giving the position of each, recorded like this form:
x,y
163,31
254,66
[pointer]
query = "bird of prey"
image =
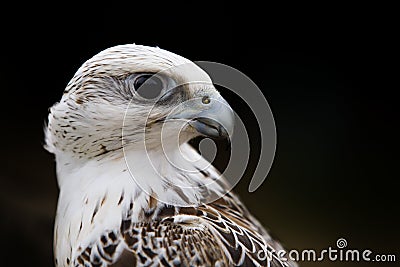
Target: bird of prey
x,y
116,209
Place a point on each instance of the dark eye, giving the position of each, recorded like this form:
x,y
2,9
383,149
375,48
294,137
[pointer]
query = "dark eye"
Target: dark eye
x,y
148,86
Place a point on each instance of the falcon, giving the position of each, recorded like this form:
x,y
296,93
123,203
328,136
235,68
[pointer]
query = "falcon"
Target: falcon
x,y
132,193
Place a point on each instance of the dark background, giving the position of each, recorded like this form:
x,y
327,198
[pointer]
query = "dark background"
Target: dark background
x,y
326,72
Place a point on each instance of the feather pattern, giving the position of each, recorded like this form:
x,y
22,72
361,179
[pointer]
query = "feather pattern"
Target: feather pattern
x,y
218,234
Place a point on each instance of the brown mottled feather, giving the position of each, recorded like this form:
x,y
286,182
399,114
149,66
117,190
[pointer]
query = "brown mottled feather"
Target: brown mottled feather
x,y
222,233
127,259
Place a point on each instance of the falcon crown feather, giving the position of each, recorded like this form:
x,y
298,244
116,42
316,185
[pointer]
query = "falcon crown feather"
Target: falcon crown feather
x,y
118,208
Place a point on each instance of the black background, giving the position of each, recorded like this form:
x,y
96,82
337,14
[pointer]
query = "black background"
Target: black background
x,y
326,72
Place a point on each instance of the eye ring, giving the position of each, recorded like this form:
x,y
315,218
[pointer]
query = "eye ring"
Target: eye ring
x,y
148,86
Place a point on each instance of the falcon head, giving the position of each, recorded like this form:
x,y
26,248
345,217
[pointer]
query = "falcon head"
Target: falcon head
x,y
130,94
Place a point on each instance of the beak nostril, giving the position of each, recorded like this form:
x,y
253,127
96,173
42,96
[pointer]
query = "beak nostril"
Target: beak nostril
x,y
206,100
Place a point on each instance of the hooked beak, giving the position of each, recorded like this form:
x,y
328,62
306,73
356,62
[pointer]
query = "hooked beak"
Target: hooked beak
x,y
209,127
209,116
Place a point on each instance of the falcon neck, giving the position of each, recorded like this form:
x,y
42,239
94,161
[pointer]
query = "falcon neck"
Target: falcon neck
x,y
155,172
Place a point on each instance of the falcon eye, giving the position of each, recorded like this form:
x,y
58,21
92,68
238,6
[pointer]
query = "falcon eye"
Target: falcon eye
x,y
148,86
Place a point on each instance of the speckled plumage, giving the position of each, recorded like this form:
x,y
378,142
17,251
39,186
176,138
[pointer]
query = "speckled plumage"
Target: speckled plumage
x,y
164,216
